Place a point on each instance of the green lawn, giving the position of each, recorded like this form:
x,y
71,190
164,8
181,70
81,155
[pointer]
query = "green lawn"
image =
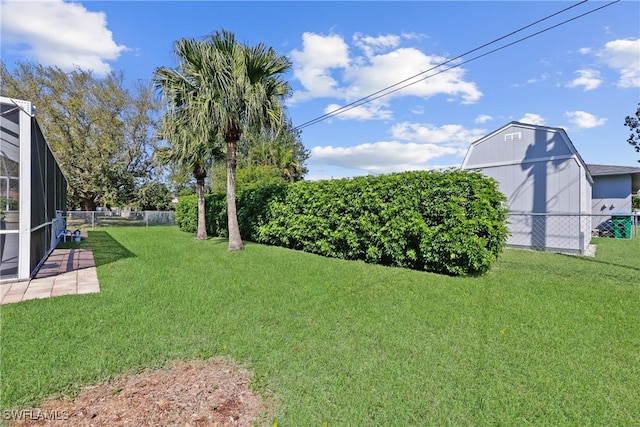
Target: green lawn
x,y
542,339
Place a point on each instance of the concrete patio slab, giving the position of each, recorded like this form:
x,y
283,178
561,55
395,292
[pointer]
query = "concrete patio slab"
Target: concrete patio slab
x,y
65,272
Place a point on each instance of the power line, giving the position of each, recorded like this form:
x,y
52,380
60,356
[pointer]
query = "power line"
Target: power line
x,y
370,98
387,91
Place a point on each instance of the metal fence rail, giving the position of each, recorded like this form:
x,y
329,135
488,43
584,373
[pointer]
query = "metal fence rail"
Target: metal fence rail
x,y
570,233
80,219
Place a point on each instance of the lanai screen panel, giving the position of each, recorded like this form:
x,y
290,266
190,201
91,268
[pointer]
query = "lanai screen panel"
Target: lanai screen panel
x,y
9,189
46,197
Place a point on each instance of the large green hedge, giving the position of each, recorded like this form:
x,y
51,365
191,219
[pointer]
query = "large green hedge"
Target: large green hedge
x,y
451,222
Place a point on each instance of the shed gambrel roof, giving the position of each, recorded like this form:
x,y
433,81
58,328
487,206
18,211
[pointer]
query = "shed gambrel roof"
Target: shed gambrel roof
x,y
572,149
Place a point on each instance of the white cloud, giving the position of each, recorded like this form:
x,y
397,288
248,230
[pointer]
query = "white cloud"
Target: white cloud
x,y
381,157
325,68
584,120
587,79
313,65
55,33
533,119
370,45
414,36
453,135
542,78
369,111
483,118
624,56
388,69
413,147
418,110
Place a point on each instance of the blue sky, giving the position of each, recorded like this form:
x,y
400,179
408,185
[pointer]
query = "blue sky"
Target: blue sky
x,y
583,76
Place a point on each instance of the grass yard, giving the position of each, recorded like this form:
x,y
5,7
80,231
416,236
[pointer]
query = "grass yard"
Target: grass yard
x,y
542,339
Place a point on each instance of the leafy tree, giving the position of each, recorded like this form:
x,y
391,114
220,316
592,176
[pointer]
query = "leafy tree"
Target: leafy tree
x,y
180,181
153,195
634,126
229,89
283,151
99,131
265,159
246,177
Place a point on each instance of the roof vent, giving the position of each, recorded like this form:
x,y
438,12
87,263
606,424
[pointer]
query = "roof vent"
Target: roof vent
x,y
512,136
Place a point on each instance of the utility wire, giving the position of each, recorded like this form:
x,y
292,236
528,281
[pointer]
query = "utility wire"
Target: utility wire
x,y
386,91
370,98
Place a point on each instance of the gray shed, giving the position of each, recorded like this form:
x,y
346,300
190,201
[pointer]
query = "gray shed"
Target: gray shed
x,y
546,182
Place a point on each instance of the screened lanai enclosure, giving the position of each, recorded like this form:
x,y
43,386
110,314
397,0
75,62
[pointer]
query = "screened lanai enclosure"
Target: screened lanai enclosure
x,y
32,193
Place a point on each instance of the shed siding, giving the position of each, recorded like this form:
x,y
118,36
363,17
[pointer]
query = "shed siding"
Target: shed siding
x,y
545,182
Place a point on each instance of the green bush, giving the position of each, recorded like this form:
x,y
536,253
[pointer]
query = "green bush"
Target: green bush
x,y
447,222
451,222
186,216
253,208
215,206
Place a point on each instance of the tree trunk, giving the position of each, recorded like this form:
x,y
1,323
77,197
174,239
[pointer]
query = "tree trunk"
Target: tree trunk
x,y
235,241
88,204
202,225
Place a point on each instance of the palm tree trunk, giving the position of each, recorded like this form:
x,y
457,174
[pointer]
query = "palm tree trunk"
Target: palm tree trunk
x,y
202,229
235,241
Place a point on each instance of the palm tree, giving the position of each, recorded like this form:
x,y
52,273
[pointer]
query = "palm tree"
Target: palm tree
x,y
246,93
188,153
184,124
221,89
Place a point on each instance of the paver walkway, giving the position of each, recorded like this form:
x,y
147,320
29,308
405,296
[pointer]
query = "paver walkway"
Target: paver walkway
x,y
65,272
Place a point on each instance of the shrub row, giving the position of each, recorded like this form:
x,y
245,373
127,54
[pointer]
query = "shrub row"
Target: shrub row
x,y
451,222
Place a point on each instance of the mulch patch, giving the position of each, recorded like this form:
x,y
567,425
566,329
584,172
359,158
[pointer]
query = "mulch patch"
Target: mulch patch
x,y
212,392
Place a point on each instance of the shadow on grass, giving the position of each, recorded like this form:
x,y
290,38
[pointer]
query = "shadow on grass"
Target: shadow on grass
x,y
123,222
105,248
613,264
213,240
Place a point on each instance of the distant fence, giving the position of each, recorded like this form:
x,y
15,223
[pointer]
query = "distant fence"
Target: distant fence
x,y
83,219
570,233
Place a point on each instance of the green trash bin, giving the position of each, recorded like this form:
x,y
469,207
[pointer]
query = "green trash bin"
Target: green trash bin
x,y
622,225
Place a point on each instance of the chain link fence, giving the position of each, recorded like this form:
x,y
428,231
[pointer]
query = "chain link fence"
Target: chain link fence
x,y
570,233
92,219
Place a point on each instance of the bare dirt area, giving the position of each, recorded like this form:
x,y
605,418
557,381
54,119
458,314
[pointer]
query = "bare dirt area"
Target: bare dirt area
x,y
210,392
